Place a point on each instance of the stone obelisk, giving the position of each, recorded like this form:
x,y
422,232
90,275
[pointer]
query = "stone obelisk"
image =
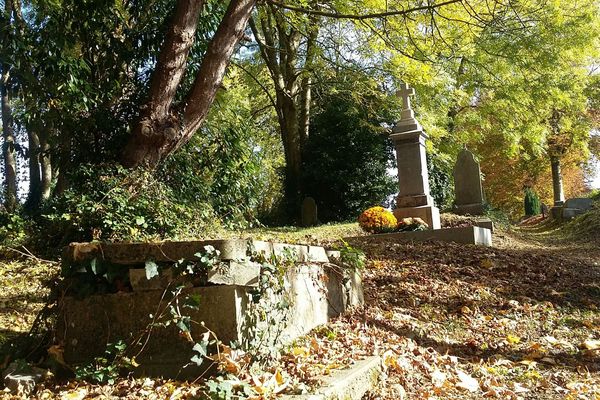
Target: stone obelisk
x,y
409,138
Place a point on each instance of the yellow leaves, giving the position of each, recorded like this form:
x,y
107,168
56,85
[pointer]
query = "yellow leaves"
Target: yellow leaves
x,y
512,339
269,384
77,394
487,263
390,360
301,351
535,351
466,310
228,360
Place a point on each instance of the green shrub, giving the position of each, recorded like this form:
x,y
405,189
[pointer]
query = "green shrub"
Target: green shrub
x,y
12,228
112,203
532,203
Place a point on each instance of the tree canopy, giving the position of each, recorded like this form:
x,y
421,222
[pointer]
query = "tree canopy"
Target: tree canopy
x,y
219,98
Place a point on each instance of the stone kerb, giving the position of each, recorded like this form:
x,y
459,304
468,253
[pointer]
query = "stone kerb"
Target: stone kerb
x,y
467,235
319,290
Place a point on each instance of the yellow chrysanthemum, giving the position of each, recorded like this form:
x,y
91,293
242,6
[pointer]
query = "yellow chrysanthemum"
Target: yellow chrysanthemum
x,y
377,220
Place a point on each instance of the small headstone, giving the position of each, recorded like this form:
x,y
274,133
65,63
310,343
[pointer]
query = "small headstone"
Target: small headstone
x,y
309,212
467,184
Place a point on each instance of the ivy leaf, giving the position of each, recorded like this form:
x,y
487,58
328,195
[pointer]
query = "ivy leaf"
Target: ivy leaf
x,y
200,348
197,360
151,269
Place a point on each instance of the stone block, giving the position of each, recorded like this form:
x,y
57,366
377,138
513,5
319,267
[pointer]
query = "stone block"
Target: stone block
x,y
262,247
469,209
318,292
308,294
139,253
234,273
556,212
467,235
413,201
139,281
309,212
346,384
467,184
429,214
296,252
583,203
86,326
317,254
570,213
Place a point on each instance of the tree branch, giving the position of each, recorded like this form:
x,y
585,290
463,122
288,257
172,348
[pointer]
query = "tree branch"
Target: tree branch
x,y
337,15
172,60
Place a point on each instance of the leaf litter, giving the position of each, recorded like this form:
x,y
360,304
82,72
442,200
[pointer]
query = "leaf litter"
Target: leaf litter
x,y
448,320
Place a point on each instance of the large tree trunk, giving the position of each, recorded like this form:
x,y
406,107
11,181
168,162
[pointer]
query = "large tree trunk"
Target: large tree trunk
x,y
8,135
8,148
280,46
557,183
35,179
164,128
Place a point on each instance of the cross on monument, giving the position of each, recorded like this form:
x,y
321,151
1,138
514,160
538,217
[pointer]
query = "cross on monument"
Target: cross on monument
x,y
405,92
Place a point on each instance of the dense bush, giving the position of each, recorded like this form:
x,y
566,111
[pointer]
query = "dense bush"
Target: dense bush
x,y
532,203
347,157
112,203
12,228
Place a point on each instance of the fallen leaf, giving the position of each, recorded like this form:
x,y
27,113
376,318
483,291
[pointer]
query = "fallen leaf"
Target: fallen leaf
x,y
467,382
591,344
438,378
513,339
301,351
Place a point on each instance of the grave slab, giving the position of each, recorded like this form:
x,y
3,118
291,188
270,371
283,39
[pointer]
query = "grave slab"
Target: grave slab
x,y
467,235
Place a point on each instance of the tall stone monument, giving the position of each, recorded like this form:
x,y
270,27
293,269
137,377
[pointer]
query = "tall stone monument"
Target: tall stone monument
x,y
409,138
467,184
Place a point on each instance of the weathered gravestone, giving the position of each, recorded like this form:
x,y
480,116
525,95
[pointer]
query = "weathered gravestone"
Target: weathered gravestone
x,y
309,212
409,138
467,184
576,206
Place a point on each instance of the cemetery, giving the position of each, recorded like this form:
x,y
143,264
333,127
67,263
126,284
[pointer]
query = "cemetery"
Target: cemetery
x,y
299,200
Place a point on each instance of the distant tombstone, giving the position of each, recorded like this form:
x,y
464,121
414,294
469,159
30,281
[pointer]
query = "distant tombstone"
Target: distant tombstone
x,y
576,206
309,212
467,184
